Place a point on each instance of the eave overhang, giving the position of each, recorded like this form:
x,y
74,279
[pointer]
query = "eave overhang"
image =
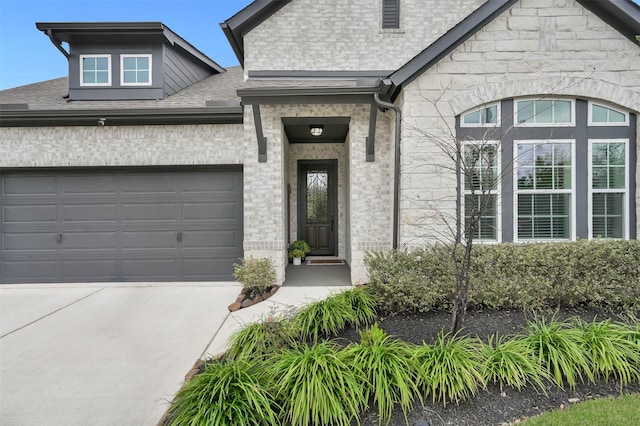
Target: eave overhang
x,y
67,31
121,117
623,15
236,27
314,95
446,44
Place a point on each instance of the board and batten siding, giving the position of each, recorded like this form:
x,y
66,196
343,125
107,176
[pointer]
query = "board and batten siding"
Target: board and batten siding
x,y
180,71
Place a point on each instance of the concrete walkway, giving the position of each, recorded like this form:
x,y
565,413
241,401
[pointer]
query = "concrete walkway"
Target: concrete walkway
x,y
113,354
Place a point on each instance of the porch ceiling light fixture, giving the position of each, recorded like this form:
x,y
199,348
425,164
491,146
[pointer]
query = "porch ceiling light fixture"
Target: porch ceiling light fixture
x,y
316,129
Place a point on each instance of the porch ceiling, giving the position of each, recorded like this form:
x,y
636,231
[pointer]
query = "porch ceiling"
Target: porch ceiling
x,y
335,129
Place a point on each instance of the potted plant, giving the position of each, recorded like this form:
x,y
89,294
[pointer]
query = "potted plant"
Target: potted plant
x,y
298,251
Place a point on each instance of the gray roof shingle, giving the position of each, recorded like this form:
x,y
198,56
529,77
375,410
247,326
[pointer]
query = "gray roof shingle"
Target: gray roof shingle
x,y
50,95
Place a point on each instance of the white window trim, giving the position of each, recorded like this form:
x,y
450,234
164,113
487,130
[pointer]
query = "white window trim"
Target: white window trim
x,y
517,191
136,55
108,83
607,124
626,205
515,113
497,192
471,111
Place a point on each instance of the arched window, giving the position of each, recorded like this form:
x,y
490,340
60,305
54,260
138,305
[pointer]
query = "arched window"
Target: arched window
x,y
564,169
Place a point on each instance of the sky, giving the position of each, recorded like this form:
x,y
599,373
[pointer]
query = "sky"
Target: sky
x,y
28,56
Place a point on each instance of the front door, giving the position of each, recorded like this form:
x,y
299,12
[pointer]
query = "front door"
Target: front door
x,y
317,205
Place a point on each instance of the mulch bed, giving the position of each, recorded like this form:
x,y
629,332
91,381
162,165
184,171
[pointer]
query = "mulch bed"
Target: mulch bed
x,y
490,406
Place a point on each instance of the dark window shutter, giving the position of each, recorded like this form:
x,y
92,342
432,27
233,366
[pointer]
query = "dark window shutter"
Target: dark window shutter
x,y
390,13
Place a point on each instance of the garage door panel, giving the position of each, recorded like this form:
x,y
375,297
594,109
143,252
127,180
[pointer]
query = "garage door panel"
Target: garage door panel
x,y
80,213
89,240
30,241
150,268
42,213
101,225
31,270
148,183
226,239
91,185
147,211
208,268
26,185
149,239
209,211
90,269
202,183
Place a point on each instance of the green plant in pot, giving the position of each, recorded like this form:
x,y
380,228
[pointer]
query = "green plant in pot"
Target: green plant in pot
x,y
298,251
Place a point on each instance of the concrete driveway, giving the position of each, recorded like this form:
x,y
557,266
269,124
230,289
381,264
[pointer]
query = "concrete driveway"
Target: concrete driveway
x,y
102,354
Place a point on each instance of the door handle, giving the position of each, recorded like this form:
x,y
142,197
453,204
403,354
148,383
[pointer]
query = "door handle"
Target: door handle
x,y
59,238
332,220
179,236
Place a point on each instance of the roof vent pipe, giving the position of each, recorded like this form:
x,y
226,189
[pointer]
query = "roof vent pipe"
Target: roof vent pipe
x,y
396,169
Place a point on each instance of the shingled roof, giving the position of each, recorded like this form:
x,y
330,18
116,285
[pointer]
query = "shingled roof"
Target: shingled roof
x,y
45,102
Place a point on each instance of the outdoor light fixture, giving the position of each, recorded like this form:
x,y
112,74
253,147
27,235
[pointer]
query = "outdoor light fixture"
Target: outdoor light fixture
x,y
316,129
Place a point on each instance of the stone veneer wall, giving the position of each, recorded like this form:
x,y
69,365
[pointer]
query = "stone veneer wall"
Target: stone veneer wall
x,y
368,198
120,146
348,34
537,47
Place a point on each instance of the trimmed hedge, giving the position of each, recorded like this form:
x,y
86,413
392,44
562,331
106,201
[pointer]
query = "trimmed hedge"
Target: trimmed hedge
x,y
603,273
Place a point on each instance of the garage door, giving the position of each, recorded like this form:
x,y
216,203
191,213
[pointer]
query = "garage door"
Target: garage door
x,y
120,225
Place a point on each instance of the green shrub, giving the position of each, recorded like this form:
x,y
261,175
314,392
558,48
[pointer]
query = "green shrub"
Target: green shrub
x,y
256,340
450,369
390,371
558,349
224,394
510,362
317,386
363,305
610,351
603,273
420,280
255,273
325,317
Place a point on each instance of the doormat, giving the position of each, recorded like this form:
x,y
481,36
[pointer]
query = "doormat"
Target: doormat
x,y
325,262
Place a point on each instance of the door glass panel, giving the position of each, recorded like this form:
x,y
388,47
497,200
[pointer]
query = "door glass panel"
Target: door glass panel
x,y
317,196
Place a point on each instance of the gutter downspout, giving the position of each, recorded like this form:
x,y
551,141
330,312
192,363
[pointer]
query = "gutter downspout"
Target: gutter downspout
x,y
57,44
396,169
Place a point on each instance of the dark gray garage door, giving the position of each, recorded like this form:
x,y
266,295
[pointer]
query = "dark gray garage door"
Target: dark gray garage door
x,y
120,225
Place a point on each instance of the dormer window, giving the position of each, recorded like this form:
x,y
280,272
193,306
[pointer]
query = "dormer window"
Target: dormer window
x,y
95,70
135,70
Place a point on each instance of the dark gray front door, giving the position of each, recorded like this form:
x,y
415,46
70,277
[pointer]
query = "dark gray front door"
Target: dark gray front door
x,y
138,224
317,205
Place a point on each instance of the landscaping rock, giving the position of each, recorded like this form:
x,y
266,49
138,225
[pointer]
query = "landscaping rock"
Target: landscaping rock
x,y
247,303
274,289
258,299
234,306
244,290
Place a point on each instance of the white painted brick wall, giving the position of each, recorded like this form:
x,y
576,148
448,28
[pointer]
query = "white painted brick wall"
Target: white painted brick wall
x,y
120,146
574,54
367,191
347,34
